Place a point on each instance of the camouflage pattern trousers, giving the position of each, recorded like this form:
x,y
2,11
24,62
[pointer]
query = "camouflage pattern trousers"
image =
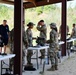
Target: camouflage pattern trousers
x,y
42,52
53,55
12,51
29,55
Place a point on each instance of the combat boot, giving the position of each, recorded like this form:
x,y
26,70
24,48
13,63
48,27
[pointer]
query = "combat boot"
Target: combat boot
x,y
29,64
56,67
52,68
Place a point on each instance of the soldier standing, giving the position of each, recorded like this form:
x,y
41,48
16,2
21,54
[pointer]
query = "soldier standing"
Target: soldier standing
x,y
1,44
43,31
25,45
73,34
53,47
67,30
30,41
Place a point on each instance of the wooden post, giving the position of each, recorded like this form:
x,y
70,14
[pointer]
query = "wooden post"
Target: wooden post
x,y
18,24
23,14
63,26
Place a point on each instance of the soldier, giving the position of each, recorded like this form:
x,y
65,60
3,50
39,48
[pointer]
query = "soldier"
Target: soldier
x,y
67,30
11,45
73,34
30,41
43,30
25,45
12,40
53,47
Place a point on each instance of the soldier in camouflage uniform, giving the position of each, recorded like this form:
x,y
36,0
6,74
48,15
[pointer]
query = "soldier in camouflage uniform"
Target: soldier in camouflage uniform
x,y
25,45
53,47
12,40
43,34
30,41
67,30
73,34
11,45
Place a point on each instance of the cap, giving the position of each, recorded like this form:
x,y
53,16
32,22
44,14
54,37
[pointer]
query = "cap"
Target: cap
x,y
30,24
53,25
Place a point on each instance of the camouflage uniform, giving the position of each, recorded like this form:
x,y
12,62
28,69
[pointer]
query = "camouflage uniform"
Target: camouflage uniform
x,y
53,48
25,44
67,30
12,40
73,35
67,44
43,31
29,52
12,45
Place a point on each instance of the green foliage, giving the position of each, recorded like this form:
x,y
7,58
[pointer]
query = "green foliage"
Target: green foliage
x,y
49,13
6,13
39,10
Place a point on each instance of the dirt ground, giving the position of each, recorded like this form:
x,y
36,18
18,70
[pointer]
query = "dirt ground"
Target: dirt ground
x,y
67,67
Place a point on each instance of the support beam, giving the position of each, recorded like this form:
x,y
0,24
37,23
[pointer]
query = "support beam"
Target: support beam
x,y
18,24
42,3
23,14
31,5
63,26
7,2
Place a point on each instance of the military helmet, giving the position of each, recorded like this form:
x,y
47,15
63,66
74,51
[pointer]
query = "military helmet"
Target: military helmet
x,y
53,25
30,24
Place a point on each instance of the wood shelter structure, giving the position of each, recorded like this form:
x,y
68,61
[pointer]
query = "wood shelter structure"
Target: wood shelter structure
x,y
19,6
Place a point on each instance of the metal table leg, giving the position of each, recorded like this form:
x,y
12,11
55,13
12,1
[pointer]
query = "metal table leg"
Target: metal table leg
x,y
47,55
37,59
2,63
1,67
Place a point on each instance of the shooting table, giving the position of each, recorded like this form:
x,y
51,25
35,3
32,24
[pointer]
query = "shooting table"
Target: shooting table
x,y
61,42
69,45
71,40
4,57
38,48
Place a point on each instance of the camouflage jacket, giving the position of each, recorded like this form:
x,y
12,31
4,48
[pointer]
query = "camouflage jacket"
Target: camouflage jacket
x,y
24,37
53,39
25,40
29,36
43,31
73,35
